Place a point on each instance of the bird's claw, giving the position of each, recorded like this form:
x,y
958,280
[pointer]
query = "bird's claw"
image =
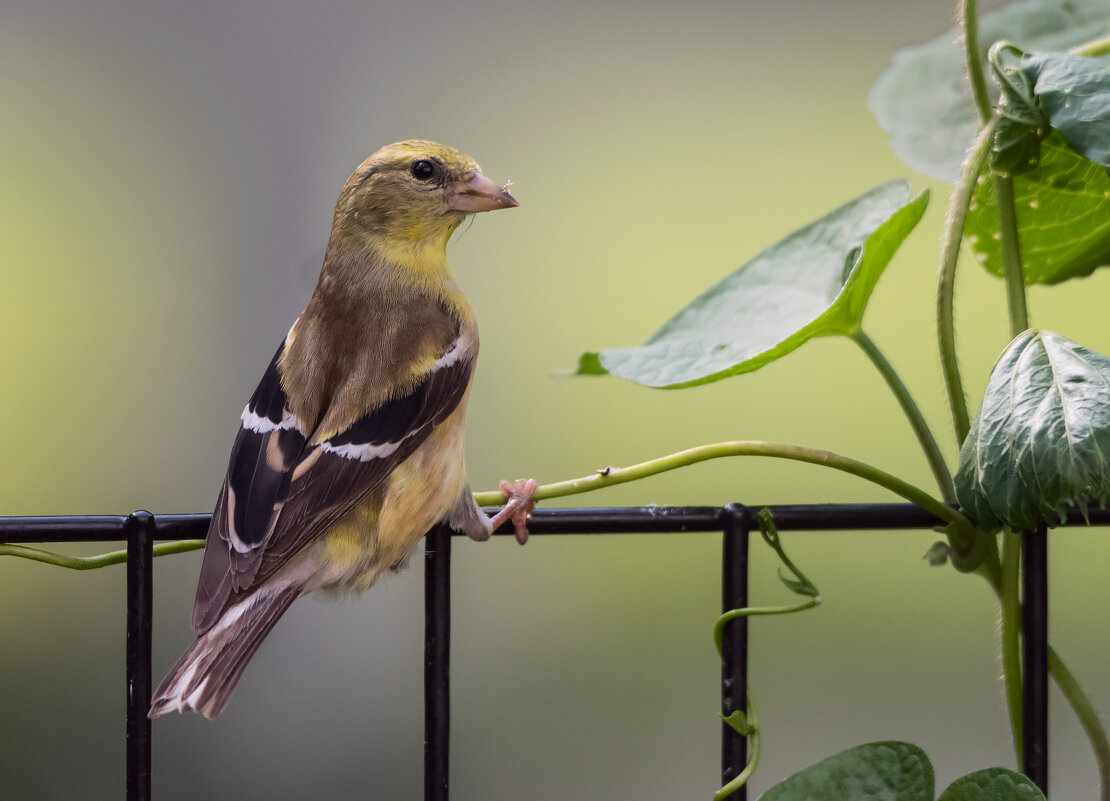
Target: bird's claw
x,y
518,506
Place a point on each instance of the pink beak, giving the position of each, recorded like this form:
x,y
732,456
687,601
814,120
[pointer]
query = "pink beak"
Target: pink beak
x,y
475,192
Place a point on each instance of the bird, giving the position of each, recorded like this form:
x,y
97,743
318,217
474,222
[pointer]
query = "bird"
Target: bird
x,y
351,447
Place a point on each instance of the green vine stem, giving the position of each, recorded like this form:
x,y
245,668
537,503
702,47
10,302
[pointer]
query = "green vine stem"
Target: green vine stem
x,y
1014,275
1094,48
799,584
1078,701
1018,312
962,530
93,562
958,207
969,22
1088,718
1019,320
1011,637
755,611
1013,270
1004,185
754,738
913,414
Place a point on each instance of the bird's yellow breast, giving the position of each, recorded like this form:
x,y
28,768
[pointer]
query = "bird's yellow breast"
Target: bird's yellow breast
x,y
383,529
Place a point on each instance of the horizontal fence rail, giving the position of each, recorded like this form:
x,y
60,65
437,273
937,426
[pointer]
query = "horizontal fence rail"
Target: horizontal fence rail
x,y
733,522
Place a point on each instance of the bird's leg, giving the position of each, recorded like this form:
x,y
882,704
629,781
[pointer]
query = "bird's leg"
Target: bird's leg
x,y
518,505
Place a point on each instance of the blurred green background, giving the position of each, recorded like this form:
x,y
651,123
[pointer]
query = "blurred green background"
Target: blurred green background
x,y
168,176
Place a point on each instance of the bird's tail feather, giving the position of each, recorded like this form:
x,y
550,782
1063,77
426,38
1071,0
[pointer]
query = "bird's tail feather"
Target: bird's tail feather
x,y
205,675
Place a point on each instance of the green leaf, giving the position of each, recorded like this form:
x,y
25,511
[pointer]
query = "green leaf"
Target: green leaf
x,y
1041,442
1074,92
815,282
738,722
1063,215
888,771
992,784
923,101
799,587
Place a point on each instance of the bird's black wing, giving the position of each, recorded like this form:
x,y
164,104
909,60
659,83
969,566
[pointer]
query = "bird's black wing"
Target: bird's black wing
x,y
281,493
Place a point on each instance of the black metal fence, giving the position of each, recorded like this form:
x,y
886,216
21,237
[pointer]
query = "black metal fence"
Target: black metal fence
x,y
733,522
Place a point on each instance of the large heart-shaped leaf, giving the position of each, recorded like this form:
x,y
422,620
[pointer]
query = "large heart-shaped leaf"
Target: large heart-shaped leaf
x,y
1063,215
815,282
923,101
1074,93
1041,442
992,784
888,771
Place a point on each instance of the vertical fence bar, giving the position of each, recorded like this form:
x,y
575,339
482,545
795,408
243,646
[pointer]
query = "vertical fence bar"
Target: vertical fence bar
x,y
1034,625
140,597
734,664
437,653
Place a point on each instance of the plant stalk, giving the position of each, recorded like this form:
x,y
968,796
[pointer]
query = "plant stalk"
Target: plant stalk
x,y
1093,49
958,208
969,21
1079,702
1011,638
913,413
753,761
756,611
963,530
1014,271
97,561
1088,718
1019,321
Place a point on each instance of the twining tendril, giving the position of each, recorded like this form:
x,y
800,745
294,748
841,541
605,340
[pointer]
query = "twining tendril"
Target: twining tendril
x,y
799,584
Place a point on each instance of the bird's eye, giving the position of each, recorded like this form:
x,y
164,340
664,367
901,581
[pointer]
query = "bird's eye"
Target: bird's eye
x,y
423,170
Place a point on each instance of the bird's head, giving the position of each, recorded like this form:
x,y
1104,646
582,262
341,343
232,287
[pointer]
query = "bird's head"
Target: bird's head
x,y
416,192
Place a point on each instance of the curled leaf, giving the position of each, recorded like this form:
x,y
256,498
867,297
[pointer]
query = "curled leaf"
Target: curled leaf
x,y
1041,442
1017,141
800,583
1074,93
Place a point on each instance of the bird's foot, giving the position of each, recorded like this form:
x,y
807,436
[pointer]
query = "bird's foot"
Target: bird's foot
x,y
518,506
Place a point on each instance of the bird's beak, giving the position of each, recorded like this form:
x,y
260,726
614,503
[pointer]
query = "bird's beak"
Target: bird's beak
x,y
475,192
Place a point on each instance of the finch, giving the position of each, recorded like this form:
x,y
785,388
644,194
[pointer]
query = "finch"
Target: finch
x,y
351,447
